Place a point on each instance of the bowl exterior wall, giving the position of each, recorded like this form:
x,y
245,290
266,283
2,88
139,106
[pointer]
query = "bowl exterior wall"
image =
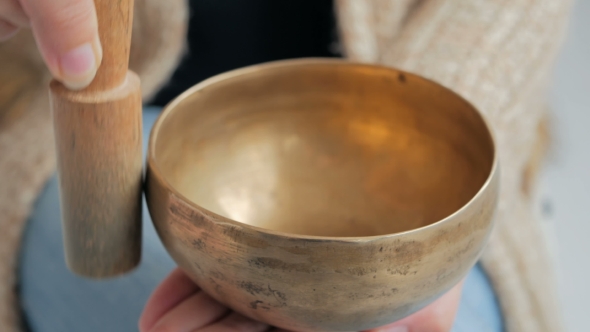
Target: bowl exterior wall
x,y
306,283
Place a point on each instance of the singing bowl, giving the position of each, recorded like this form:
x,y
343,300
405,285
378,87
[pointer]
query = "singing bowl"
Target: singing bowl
x,y
322,194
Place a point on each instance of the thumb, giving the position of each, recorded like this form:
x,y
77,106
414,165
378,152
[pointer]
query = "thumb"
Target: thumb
x,y
439,316
66,32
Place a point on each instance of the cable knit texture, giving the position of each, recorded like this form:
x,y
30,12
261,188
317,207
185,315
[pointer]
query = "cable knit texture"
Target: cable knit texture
x,y
496,53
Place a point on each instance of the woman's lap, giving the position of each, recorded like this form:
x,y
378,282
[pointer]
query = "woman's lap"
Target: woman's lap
x,y
53,299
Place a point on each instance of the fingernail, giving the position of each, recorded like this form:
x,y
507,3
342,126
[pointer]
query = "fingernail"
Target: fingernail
x,y
79,65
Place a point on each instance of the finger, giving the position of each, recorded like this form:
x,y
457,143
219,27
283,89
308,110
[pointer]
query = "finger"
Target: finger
x,y
66,32
235,322
7,30
197,311
176,288
12,12
439,316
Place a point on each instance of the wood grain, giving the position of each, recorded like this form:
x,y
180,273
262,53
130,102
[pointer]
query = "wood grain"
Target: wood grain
x,y
98,133
115,19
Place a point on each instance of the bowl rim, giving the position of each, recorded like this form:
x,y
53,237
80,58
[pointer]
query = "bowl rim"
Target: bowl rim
x,y
154,170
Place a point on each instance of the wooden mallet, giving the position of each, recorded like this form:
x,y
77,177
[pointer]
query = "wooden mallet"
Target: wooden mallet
x,y
98,133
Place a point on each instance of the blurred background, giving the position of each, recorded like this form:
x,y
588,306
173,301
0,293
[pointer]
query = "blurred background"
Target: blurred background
x,y
565,188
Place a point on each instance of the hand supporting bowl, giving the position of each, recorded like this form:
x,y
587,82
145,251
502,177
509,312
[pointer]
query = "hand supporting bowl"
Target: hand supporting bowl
x,y
322,194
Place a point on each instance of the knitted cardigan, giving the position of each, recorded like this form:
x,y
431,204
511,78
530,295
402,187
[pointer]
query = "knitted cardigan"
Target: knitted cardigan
x,y
496,53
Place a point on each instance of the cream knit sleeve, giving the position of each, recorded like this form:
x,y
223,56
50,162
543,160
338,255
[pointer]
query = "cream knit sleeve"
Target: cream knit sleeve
x,y
498,54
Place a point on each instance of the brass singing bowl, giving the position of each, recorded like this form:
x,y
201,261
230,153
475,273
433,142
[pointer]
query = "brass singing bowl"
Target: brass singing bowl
x,y
322,194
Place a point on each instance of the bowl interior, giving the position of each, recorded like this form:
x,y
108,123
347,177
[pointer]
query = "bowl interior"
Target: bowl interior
x,y
324,148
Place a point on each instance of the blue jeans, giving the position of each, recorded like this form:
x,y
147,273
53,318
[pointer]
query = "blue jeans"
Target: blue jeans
x,y
55,300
